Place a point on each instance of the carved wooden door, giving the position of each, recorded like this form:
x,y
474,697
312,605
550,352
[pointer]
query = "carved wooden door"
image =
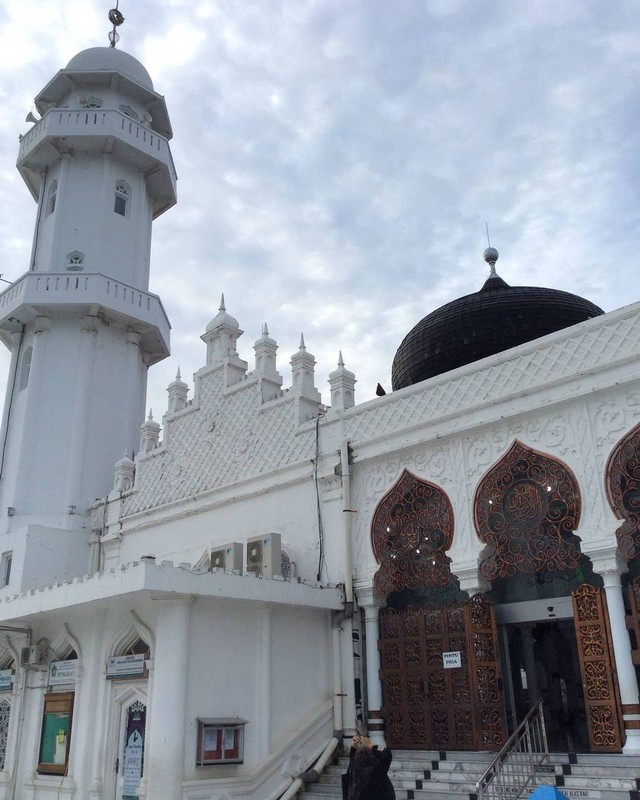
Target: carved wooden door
x,y
633,621
430,707
485,670
599,679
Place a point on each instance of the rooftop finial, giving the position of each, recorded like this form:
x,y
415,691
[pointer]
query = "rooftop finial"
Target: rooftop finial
x,y
491,255
116,18
265,330
222,305
178,375
340,359
150,417
302,347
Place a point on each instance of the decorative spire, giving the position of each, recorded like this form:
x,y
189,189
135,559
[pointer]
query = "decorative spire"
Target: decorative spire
x,y
150,417
302,347
342,383
491,255
222,306
116,18
178,375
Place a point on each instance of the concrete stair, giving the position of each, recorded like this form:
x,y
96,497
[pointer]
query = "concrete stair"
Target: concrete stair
x,y
421,775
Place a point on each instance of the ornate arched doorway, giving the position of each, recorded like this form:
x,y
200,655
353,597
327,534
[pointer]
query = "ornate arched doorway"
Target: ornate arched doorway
x,y
439,668
551,608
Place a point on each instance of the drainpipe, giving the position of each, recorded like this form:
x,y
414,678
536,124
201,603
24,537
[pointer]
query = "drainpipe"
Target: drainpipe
x,y
347,511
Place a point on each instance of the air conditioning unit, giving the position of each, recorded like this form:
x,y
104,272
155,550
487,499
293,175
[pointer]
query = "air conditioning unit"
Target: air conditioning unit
x,y
264,555
34,656
227,557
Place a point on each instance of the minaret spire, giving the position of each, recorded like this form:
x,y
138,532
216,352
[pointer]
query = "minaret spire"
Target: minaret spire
x,y
115,17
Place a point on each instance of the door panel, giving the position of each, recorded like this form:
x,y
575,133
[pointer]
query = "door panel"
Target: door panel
x,y
601,695
427,706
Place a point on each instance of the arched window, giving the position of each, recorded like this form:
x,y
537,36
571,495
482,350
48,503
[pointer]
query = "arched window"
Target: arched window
x,y
138,648
129,112
75,261
51,198
25,369
122,196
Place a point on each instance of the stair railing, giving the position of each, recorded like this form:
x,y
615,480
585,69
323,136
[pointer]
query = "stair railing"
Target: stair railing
x,y
514,768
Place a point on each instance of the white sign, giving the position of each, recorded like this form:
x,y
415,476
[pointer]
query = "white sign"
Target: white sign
x,y
125,666
452,659
62,672
580,794
132,768
6,680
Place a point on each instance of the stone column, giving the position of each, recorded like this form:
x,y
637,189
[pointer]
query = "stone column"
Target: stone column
x,y
165,764
627,679
82,402
375,723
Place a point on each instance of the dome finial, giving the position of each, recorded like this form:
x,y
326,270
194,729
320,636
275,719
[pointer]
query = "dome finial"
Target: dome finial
x,y
491,255
115,17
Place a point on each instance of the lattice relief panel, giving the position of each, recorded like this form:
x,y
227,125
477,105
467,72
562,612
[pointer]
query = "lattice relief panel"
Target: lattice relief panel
x,y
623,491
525,510
571,355
372,481
5,717
411,531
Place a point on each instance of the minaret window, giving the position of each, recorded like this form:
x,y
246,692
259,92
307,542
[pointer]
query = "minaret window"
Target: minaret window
x,y
25,369
51,197
121,202
5,568
93,102
75,260
129,112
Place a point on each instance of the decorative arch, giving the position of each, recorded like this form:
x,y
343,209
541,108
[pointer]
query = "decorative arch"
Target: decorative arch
x,y
526,509
136,630
65,643
8,653
622,478
411,531
203,564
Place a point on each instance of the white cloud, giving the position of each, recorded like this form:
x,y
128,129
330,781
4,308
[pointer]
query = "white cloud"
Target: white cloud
x,y
337,159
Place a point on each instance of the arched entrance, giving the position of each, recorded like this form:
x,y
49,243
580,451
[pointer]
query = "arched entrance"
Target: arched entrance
x,y
554,632
439,667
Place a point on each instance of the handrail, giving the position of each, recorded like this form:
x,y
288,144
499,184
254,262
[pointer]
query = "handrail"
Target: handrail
x,y
319,765
514,767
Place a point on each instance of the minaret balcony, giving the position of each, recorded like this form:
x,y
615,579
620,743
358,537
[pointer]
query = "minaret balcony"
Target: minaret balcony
x,y
63,131
47,294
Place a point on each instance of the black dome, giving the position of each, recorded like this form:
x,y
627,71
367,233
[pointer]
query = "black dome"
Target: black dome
x,y
481,324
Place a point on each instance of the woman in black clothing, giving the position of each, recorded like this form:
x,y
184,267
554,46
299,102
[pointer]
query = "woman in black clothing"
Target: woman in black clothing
x,y
366,778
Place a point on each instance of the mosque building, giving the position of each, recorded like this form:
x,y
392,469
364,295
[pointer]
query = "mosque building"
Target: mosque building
x,y
199,621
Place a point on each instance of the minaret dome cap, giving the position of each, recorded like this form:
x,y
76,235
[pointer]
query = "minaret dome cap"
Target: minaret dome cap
x,y
110,59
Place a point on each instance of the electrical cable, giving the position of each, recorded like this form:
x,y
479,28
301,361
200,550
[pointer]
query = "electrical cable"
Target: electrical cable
x,y
315,478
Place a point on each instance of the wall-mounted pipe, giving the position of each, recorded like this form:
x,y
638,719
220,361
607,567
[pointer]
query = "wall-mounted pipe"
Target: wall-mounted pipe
x,y
347,511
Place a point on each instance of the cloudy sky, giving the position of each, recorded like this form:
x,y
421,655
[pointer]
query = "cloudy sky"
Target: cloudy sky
x,y
338,159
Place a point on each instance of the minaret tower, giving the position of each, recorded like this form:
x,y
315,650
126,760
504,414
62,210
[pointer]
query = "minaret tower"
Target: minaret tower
x,y
81,324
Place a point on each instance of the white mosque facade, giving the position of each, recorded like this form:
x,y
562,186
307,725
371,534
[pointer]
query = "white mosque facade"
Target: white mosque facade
x,y
200,621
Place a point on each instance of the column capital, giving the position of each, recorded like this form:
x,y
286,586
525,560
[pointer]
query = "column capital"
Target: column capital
x,y
42,324
608,563
470,579
368,599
